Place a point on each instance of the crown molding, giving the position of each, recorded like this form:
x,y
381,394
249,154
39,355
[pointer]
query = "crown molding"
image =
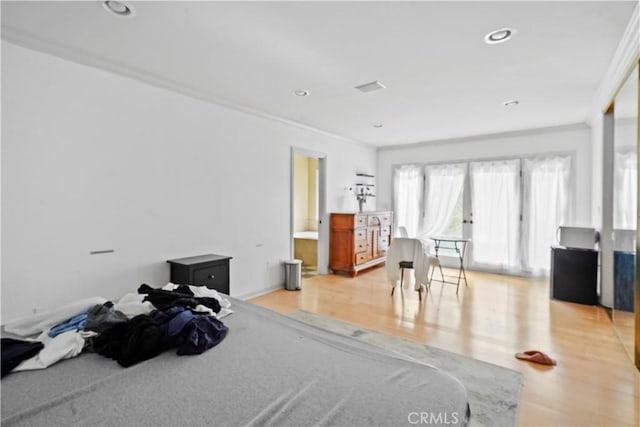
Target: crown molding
x,y
497,135
622,63
19,38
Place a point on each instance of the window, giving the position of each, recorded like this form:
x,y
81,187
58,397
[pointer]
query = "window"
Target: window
x,y
454,228
408,183
443,205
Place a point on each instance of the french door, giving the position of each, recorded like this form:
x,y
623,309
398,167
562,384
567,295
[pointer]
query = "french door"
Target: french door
x,y
513,211
495,209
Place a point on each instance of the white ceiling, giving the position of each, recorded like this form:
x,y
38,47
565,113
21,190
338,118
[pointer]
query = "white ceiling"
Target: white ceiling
x,y
442,80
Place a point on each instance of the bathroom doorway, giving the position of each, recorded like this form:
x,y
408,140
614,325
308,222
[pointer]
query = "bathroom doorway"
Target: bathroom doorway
x,y
307,211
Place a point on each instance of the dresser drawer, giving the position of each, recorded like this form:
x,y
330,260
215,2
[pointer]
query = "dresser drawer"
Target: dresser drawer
x,y
385,231
213,277
361,246
385,219
384,240
361,221
362,258
382,220
360,234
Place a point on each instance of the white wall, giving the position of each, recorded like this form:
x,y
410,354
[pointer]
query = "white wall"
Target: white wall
x,y
574,139
92,160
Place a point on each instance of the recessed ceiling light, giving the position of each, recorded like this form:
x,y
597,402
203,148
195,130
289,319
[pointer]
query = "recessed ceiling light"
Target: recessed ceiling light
x,y
511,103
377,125
499,36
118,8
301,92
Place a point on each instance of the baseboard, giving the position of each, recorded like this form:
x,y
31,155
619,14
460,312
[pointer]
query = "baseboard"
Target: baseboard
x,y
259,293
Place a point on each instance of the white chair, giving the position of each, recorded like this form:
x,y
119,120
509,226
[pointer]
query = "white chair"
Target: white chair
x,y
433,260
405,252
403,264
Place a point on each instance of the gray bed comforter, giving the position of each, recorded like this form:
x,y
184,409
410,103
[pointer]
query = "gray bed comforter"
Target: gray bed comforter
x,y
270,370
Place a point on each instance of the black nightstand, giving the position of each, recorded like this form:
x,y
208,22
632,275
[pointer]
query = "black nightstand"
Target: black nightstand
x,y
208,270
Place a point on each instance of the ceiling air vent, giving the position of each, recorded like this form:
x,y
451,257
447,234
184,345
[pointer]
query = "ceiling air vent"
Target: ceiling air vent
x,y
370,87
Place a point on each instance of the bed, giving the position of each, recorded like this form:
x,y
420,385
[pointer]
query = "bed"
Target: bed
x,y
269,370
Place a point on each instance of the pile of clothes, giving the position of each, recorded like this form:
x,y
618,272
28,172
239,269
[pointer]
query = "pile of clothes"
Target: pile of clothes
x,y
137,327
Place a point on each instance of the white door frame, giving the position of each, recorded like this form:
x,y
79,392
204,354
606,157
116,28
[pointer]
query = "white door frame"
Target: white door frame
x,y
323,216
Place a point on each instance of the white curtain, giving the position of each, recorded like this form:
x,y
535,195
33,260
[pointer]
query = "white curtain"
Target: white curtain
x,y
545,207
444,185
625,191
408,182
495,202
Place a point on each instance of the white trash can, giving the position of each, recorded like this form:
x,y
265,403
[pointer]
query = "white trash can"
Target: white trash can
x,y
293,275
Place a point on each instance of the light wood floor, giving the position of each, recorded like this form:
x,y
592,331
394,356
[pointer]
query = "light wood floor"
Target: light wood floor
x,y
595,382
625,324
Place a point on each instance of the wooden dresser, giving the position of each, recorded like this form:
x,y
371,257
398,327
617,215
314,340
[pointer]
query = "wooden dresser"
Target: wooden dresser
x,y
359,240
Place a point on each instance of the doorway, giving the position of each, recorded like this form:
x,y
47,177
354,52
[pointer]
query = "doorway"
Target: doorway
x,y
307,210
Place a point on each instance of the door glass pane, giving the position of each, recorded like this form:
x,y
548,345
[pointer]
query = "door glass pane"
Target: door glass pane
x,y
546,188
443,204
407,191
454,228
495,201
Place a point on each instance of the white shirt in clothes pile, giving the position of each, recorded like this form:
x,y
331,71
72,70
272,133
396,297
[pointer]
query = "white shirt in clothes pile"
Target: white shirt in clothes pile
x,y
203,291
132,305
64,346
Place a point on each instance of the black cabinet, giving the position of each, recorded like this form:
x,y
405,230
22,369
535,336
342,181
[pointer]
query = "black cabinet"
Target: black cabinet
x,y
574,275
208,270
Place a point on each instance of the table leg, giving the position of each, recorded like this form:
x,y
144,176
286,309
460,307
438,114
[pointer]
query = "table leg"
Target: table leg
x,y
464,275
460,269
